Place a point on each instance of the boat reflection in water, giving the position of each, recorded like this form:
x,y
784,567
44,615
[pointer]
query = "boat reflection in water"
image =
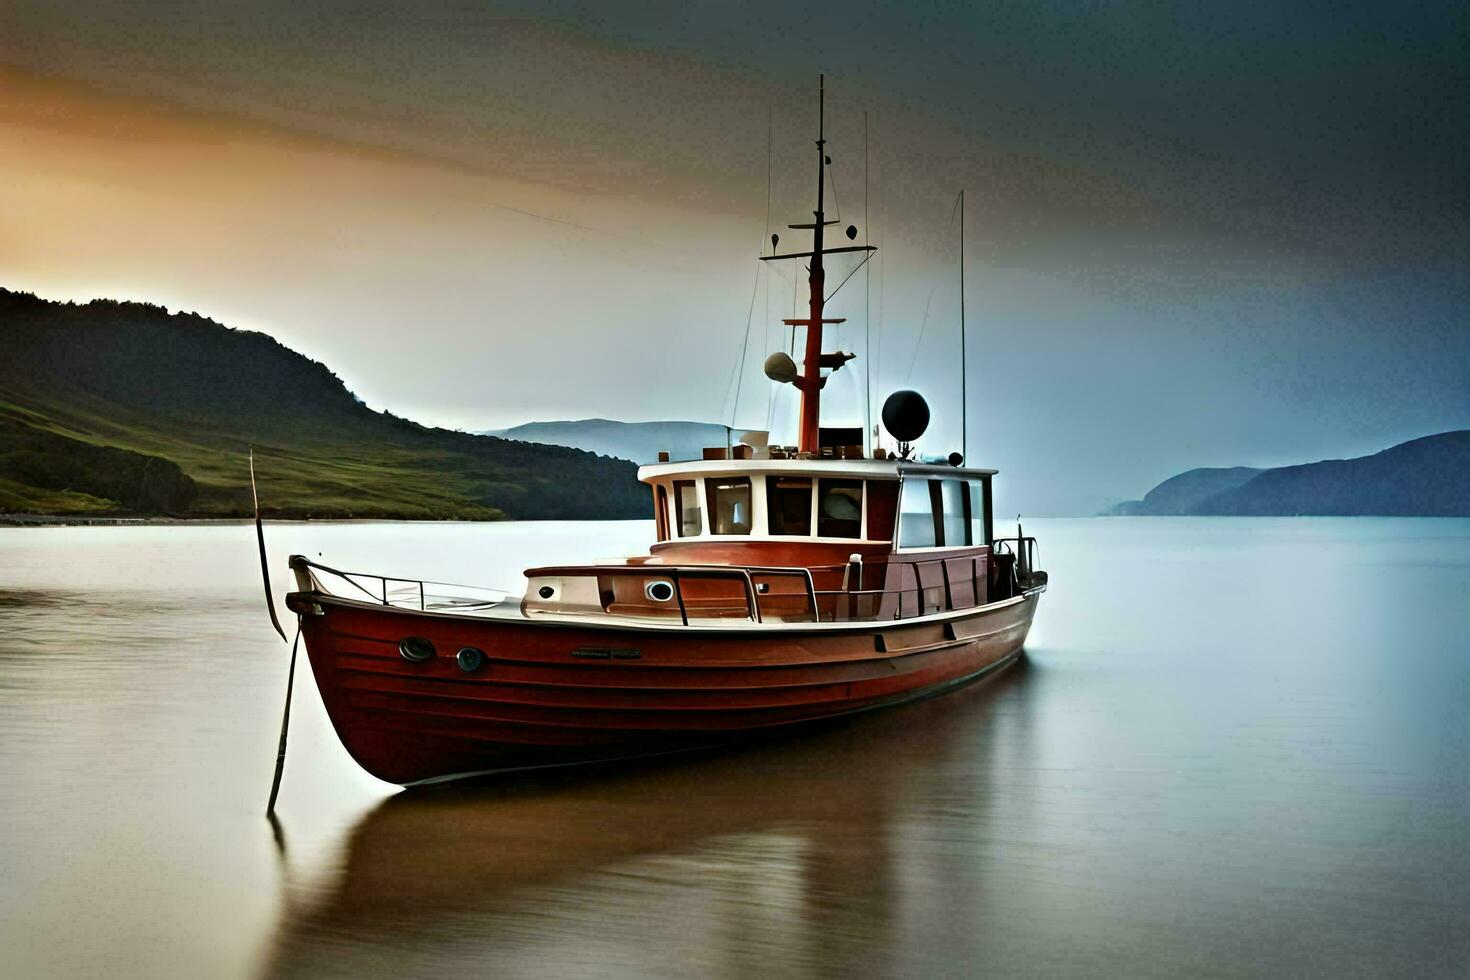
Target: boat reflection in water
x,y
777,856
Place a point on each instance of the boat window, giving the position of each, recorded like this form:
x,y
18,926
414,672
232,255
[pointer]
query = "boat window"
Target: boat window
x,y
840,509
729,504
977,514
661,511
956,519
915,515
789,504
688,500
882,508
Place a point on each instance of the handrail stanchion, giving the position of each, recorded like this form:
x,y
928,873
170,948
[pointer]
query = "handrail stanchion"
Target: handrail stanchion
x,y
752,610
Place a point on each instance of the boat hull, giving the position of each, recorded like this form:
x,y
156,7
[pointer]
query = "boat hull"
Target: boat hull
x,y
550,693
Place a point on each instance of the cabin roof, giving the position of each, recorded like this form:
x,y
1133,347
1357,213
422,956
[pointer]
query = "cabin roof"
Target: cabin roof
x,y
869,469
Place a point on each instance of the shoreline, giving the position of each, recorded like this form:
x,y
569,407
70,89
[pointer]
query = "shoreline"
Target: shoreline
x,y
70,520
67,520
64,520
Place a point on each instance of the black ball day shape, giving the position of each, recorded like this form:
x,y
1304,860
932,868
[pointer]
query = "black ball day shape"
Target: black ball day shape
x,y
905,415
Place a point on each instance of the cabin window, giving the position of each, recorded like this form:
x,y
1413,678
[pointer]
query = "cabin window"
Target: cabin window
x,y
936,506
955,501
661,511
882,506
915,515
977,514
687,499
789,504
840,509
729,504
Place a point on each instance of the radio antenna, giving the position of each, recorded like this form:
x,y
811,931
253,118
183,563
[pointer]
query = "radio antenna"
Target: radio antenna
x,y
964,364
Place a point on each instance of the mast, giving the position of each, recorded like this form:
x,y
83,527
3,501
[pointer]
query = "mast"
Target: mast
x,y
964,365
811,369
810,381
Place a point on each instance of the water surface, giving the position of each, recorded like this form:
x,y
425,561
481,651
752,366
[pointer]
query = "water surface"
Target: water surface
x,y
1237,746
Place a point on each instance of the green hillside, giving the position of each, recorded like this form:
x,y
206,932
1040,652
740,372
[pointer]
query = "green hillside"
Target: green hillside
x,y
124,408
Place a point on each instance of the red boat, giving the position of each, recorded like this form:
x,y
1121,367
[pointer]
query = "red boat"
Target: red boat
x,y
788,586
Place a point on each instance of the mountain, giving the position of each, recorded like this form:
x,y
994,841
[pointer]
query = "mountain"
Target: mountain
x,y
639,441
1183,493
109,407
1428,477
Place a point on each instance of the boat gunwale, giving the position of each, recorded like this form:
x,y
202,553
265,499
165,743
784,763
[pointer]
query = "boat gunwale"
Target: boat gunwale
x,y
622,624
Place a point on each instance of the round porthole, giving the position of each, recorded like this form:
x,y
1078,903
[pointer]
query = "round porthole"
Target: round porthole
x,y
416,649
546,592
469,659
659,590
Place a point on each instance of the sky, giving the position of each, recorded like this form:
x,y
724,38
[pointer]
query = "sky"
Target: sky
x,y
1195,234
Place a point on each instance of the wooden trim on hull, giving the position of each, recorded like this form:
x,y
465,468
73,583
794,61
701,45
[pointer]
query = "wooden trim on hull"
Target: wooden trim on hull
x,y
534,702
312,604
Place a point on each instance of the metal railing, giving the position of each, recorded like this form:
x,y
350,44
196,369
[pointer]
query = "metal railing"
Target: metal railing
x,y
1026,551
843,604
406,593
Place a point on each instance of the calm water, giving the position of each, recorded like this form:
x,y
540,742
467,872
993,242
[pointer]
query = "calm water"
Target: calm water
x,y
1238,747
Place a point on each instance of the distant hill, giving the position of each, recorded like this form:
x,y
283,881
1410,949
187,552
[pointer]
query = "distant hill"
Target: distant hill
x,y
1183,493
1428,477
639,441
109,407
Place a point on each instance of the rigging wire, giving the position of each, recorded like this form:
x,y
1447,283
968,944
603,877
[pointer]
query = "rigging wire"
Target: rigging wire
x,y
882,290
832,180
848,276
768,179
831,176
770,388
920,341
740,364
964,361
738,374
795,294
867,310
766,333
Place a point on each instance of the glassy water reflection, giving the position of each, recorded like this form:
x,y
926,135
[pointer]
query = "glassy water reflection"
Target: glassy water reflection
x,y
1236,747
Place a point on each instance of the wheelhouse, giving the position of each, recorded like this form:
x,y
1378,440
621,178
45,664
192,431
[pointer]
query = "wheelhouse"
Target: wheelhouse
x,y
906,506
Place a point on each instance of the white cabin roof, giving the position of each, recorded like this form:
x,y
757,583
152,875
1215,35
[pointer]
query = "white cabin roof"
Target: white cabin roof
x,y
862,469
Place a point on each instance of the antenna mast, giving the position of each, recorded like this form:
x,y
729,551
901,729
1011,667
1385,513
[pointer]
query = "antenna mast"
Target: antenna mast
x,y
964,365
810,382
811,368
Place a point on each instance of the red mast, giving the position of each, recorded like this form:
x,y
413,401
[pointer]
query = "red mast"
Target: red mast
x,y
811,381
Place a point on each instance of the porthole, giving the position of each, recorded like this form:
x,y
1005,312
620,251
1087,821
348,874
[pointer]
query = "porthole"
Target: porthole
x,y
546,592
416,649
659,590
469,659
